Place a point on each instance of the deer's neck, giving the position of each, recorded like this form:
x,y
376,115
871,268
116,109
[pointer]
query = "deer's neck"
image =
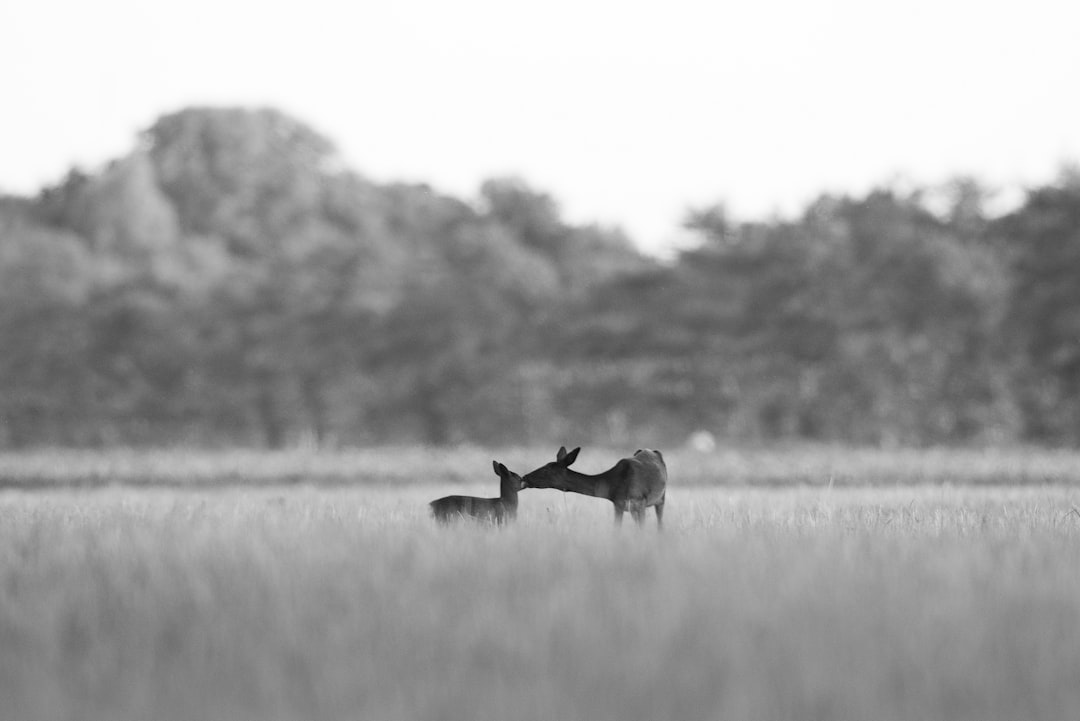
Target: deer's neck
x,y
509,496
602,485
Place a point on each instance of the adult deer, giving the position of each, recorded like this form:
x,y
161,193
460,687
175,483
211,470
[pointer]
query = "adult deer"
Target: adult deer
x,y
633,484
499,510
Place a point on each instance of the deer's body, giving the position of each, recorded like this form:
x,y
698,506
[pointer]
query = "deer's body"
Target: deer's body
x,y
493,510
633,484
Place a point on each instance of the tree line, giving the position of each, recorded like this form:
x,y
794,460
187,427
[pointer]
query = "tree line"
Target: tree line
x,y
229,281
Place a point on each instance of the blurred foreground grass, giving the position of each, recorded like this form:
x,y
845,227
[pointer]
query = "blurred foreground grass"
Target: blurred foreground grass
x,y
799,603
804,465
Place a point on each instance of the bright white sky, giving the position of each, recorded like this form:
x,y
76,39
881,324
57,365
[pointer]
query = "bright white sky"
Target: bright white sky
x,y
627,112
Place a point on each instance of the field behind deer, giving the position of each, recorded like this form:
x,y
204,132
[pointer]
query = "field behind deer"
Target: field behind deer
x,y
799,584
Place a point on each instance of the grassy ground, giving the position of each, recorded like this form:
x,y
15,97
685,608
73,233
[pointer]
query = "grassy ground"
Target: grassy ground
x,y
910,601
809,465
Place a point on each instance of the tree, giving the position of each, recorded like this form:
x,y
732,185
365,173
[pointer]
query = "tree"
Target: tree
x,y
250,177
45,281
122,212
473,286
228,281
584,256
1044,240
920,314
866,319
294,292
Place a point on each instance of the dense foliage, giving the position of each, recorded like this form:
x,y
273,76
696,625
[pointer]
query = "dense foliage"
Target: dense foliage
x,y
229,282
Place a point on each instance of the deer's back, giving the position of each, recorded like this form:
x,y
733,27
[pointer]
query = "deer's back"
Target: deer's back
x,y
451,507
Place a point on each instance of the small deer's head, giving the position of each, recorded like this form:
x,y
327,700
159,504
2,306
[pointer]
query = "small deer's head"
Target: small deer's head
x,y
510,482
552,475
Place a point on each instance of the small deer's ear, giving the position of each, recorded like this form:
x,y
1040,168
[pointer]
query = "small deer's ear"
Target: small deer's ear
x,y
495,465
569,458
561,453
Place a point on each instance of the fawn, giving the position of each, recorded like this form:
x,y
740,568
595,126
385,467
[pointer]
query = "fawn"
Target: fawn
x,y
500,510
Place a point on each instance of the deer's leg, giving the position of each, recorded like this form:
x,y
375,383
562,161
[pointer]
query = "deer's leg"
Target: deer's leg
x,y
660,514
638,513
619,508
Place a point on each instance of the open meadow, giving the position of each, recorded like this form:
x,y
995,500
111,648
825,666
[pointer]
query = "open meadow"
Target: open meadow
x,y
799,584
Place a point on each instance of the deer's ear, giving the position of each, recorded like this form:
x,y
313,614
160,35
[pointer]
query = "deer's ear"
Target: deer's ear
x,y
495,465
500,469
570,457
561,453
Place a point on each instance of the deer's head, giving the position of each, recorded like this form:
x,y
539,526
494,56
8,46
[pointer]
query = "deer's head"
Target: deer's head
x,y
552,475
510,483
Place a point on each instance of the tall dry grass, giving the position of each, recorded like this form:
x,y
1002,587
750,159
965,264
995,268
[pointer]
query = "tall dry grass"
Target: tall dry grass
x,y
306,603
796,465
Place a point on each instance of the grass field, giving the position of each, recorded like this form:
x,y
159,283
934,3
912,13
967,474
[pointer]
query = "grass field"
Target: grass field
x,y
173,586
812,466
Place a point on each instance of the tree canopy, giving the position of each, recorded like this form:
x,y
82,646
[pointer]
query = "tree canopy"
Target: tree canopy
x,y
230,281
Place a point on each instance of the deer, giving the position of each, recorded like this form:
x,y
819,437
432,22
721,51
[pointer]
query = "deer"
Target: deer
x,y
632,484
498,510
